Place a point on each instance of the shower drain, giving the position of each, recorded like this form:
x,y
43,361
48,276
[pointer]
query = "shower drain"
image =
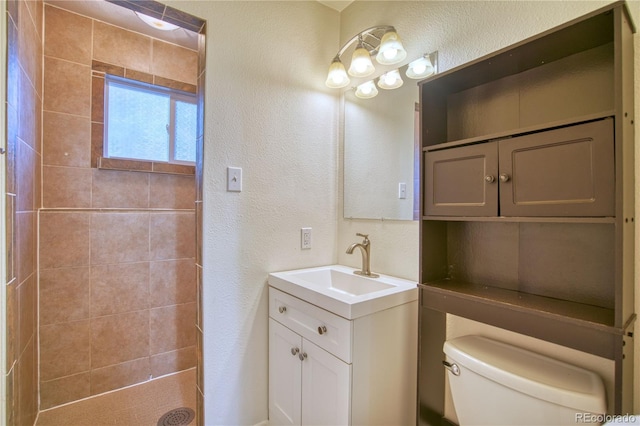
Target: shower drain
x,y
178,417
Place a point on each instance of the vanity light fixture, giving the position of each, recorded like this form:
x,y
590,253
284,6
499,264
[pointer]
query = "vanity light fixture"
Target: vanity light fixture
x,y
390,80
367,90
361,65
391,50
421,67
156,23
337,77
381,42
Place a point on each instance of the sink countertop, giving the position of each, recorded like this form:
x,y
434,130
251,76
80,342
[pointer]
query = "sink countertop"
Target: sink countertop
x,y
337,289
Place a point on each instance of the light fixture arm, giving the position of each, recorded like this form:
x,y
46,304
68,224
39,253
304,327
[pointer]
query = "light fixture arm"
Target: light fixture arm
x,y
374,32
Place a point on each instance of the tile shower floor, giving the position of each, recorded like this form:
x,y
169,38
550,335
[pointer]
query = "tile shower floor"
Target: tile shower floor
x,y
140,405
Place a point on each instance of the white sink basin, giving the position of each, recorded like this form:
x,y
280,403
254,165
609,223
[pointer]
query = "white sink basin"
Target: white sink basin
x,y
337,289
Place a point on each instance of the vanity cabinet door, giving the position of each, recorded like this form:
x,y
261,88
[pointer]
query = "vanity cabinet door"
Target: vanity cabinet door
x,y
462,181
562,172
326,384
285,375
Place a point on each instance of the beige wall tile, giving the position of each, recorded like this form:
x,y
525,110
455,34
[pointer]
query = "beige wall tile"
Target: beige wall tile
x,y
119,237
119,338
65,389
172,282
174,361
10,237
66,187
198,237
199,296
97,98
172,327
64,349
26,164
67,87
64,239
11,398
117,46
12,143
27,311
172,235
35,10
28,112
37,187
174,62
30,45
119,288
64,295
27,386
67,35
25,228
11,323
119,375
66,140
172,191
120,189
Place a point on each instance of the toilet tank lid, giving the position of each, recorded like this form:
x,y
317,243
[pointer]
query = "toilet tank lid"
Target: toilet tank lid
x,y
530,373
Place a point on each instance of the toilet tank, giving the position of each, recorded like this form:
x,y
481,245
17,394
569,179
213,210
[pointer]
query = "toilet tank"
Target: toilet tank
x,y
500,384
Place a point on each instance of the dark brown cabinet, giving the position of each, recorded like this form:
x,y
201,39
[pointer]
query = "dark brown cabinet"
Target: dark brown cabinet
x,y
561,172
528,198
462,181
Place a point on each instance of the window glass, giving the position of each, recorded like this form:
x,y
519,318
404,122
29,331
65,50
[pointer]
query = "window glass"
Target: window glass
x,y
185,134
144,122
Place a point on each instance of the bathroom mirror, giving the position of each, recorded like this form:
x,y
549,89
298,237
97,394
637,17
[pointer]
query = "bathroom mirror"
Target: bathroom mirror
x,y
379,153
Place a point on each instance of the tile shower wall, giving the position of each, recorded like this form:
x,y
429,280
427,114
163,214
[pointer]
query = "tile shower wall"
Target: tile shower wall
x,y
23,158
117,248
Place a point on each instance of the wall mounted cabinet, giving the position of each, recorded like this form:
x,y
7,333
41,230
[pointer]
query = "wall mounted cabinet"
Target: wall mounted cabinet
x,y
562,172
528,197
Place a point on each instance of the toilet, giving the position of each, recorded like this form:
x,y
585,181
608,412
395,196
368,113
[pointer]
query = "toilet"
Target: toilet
x,y
493,383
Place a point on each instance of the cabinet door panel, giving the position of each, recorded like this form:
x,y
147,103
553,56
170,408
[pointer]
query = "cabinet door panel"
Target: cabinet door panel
x,y
326,382
456,181
285,375
562,172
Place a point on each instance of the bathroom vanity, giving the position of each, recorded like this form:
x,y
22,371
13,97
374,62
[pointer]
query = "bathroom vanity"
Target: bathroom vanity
x,y
342,348
528,198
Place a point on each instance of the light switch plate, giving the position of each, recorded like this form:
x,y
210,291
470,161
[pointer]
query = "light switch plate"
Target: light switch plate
x,y
234,179
402,190
305,238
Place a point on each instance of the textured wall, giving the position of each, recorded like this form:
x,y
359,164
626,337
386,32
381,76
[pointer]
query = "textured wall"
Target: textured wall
x,y
267,111
23,159
117,248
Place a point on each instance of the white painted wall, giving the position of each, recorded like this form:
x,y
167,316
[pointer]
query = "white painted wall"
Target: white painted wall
x,y
267,110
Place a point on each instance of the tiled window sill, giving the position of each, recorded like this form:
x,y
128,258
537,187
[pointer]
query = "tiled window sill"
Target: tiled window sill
x,y
144,166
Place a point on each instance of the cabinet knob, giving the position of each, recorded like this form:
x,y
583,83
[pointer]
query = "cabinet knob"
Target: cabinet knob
x,y
282,309
294,351
504,177
302,356
489,178
322,330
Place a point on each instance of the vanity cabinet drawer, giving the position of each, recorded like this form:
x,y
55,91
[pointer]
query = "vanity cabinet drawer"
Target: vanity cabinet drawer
x,y
329,331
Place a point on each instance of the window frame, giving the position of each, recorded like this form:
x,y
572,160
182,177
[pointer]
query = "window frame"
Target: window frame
x,y
173,94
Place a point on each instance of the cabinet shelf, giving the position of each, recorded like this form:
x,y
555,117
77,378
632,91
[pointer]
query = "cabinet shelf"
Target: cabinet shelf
x,y
521,131
530,219
580,326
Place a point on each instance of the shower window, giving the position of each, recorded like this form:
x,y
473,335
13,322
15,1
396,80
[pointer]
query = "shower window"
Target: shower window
x,y
149,122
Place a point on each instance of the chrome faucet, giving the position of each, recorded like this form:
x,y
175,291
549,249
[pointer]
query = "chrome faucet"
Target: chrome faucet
x,y
365,248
